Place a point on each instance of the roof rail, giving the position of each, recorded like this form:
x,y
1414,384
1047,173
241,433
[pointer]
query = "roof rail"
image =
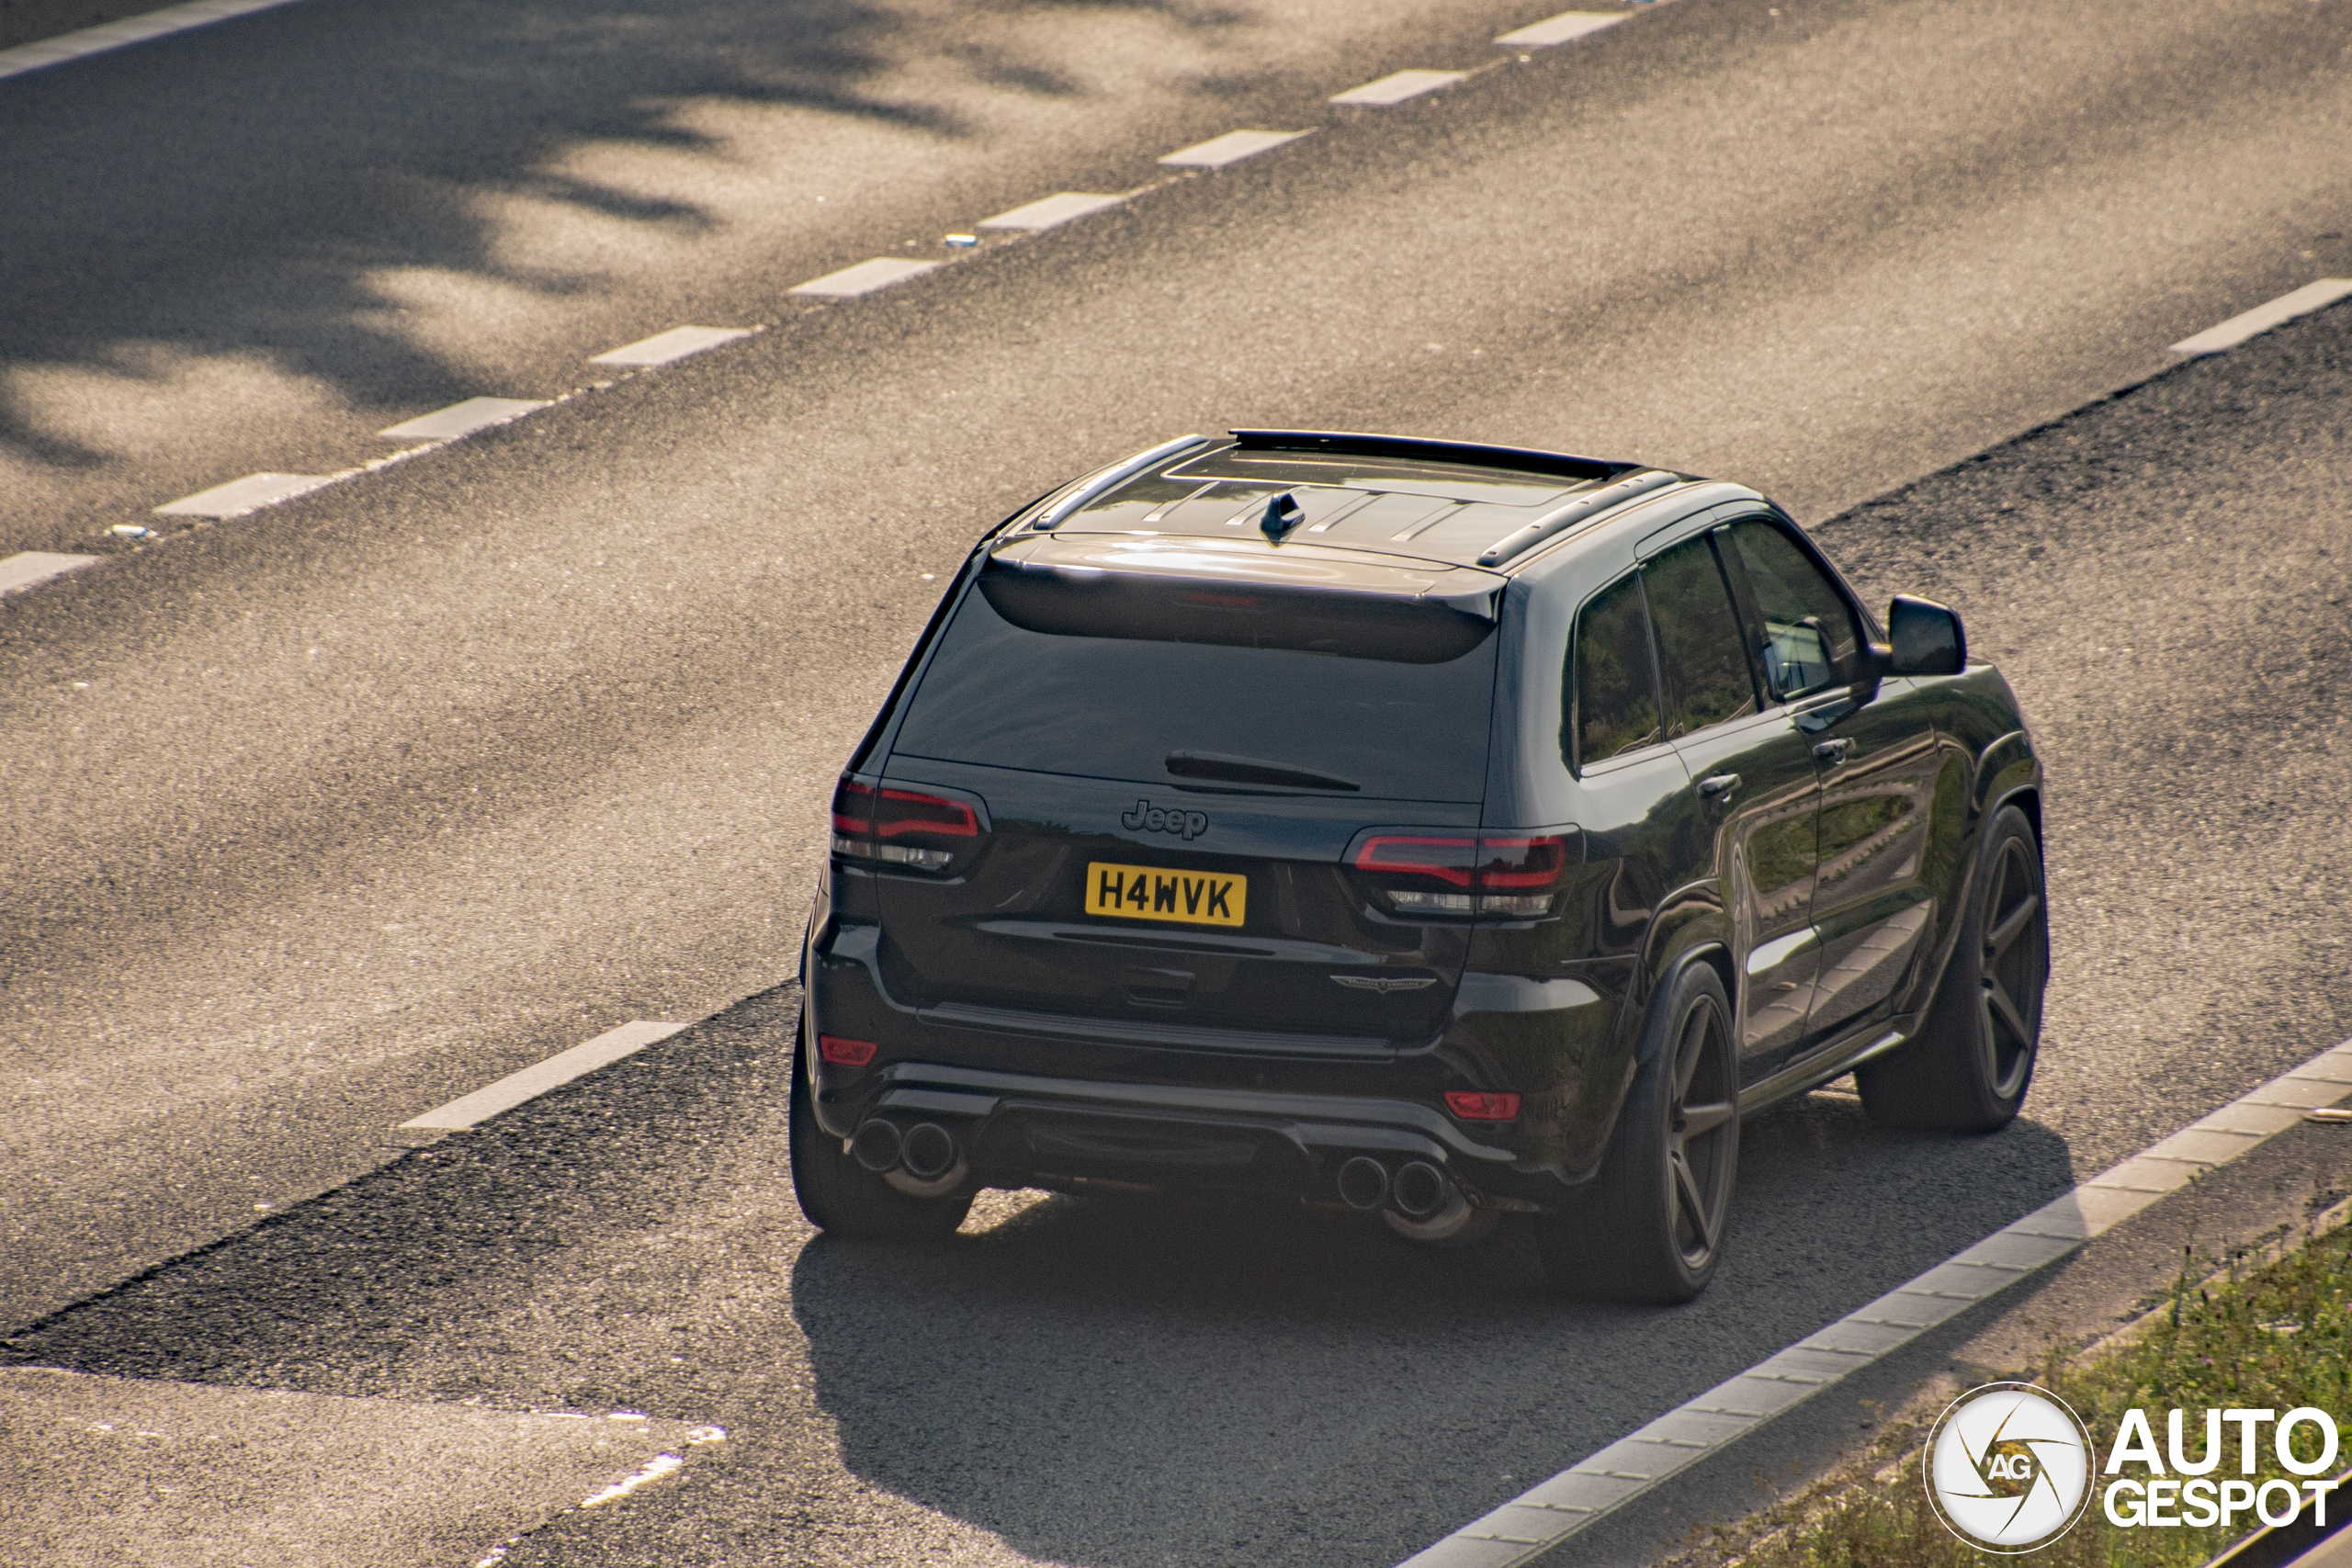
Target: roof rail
x,y
1054,516
1589,504
1352,445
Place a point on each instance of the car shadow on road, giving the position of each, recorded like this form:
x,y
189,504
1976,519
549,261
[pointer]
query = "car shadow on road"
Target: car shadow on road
x,y
1162,1380
1120,1383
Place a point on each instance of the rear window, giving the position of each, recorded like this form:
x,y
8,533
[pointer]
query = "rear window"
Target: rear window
x,y
1165,680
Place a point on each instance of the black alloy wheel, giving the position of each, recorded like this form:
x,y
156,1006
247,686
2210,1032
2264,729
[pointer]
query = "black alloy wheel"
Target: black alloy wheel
x,y
2015,968
1968,1070
1702,1125
1652,1228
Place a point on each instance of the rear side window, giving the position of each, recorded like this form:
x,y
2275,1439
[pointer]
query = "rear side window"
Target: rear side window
x,y
1704,669
1613,687
1353,699
1809,641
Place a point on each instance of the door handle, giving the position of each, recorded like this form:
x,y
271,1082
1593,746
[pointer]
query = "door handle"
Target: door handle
x,y
1833,752
1715,784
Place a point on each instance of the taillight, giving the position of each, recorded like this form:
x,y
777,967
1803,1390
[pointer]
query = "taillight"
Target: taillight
x,y
1516,875
1518,871
1473,1105
894,826
843,1053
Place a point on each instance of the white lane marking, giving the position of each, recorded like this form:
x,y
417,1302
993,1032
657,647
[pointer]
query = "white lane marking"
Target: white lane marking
x,y
1543,1515
248,494
1230,148
462,419
30,566
655,1469
1051,211
863,278
467,1111
1568,24
663,347
1396,88
2262,318
86,41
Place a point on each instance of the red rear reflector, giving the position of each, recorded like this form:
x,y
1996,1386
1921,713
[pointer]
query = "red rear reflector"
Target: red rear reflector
x,y
1473,1105
843,1053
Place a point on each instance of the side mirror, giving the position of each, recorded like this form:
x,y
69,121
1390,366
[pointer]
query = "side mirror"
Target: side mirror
x,y
1926,639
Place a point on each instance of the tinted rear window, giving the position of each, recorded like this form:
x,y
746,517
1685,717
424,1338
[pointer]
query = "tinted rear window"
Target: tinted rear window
x,y
1035,686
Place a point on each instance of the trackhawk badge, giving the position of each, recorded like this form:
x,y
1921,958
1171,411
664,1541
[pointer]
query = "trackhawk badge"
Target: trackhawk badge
x,y
1384,983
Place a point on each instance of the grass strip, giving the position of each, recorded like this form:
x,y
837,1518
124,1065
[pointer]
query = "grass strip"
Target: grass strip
x,y
2272,1334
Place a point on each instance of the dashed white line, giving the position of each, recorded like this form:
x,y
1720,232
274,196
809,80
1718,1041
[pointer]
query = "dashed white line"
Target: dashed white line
x,y
1562,28
1541,1518
248,494
663,347
30,566
1230,148
470,1110
462,419
863,278
1051,211
1396,86
86,41
2262,318
653,1469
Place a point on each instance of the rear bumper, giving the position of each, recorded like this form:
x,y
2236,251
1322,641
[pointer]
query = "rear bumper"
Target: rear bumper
x,y
1048,1109
1064,1103
1018,1125
1017,1130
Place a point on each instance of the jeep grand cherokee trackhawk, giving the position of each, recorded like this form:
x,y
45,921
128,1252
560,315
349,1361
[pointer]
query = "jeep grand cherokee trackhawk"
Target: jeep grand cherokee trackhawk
x,y
1447,831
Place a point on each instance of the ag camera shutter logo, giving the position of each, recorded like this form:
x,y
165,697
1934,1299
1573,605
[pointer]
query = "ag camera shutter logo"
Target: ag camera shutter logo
x,y
2008,1468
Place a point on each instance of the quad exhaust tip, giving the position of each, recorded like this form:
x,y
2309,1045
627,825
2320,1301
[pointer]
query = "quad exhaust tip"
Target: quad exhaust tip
x,y
1364,1182
876,1145
928,1151
1420,1190
921,1161
1418,1193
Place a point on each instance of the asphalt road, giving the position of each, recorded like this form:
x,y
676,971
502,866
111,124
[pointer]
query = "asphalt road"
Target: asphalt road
x,y
324,816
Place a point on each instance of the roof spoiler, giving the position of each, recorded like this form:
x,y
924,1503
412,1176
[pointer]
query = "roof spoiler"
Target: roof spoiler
x,y
1349,444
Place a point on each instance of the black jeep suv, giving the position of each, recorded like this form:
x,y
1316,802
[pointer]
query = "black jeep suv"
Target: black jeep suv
x,y
1443,830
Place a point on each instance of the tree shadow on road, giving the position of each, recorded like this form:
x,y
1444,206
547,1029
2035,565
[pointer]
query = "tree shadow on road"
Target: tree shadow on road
x,y
239,190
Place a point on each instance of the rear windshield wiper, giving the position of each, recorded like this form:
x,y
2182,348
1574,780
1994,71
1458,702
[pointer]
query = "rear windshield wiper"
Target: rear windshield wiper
x,y
1251,770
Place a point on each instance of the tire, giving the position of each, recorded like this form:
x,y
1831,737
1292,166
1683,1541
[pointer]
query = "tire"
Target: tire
x,y
842,1197
1968,1070
1651,1229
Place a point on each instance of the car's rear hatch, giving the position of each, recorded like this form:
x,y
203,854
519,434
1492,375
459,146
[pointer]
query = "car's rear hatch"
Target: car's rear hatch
x,y
1169,748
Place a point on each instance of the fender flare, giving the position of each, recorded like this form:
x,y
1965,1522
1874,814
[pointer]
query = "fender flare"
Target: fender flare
x,y
1710,950
1714,953
2011,796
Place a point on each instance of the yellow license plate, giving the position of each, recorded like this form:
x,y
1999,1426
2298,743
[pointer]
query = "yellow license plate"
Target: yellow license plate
x,y
1146,893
